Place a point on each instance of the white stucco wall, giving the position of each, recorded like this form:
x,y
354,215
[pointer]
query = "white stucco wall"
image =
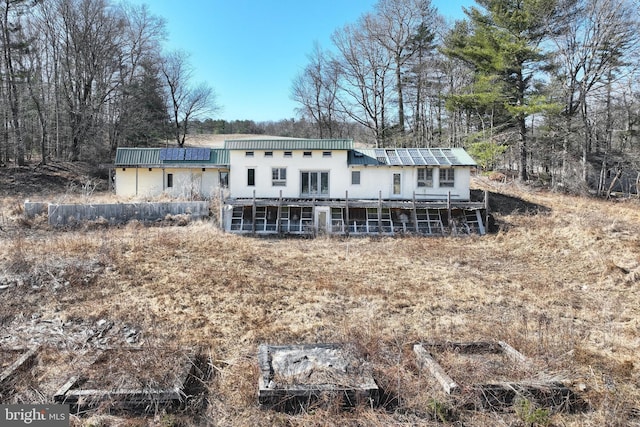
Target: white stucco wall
x,y
142,182
125,182
336,165
373,180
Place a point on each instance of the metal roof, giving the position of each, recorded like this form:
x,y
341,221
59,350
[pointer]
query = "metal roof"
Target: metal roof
x,y
410,157
171,156
289,144
369,156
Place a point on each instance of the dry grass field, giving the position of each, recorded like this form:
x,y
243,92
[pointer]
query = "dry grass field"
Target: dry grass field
x,y
560,282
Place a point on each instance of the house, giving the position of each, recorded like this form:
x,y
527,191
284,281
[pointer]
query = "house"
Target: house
x,y
176,172
308,186
407,173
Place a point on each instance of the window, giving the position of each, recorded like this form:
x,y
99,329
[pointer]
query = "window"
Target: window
x,y
279,177
397,183
306,154
314,183
268,153
425,177
248,153
288,154
169,180
326,154
224,179
355,177
251,177
447,177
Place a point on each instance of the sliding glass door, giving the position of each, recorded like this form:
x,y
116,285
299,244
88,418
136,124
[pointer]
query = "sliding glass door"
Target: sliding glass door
x,y
314,183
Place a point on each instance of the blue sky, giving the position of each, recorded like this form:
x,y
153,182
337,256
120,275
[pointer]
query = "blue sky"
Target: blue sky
x,y
250,51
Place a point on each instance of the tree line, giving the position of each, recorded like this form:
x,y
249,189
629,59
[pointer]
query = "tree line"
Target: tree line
x,y
548,88
81,77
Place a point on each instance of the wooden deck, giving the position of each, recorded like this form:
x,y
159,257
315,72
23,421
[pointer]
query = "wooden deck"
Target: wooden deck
x,y
355,217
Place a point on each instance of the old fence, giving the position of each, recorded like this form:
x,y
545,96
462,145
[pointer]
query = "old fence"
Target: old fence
x,y
69,214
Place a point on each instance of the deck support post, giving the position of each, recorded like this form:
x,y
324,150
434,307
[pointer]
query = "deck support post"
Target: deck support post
x,y
346,212
449,218
415,214
379,212
222,210
313,216
486,210
253,214
279,213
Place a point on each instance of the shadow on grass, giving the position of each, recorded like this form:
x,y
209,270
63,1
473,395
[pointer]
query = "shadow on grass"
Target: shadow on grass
x,y
503,204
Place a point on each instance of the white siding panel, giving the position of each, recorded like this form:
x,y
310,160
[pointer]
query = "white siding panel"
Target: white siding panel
x,y
126,182
374,180
149,182
142,183
210,183
336,165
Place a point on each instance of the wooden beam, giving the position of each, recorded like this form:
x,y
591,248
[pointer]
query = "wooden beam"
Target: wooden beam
x,y
415,214
346,212
512,353
486,209
221,206
61,394
138,399
279,213
253,214
471,347
22,362
449,218
499,396
425,360
379,212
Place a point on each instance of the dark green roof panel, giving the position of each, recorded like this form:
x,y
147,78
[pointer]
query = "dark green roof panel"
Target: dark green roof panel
x,y
171,156
137,156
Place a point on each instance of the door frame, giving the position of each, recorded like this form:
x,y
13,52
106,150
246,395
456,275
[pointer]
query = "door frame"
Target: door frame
x,y
318,213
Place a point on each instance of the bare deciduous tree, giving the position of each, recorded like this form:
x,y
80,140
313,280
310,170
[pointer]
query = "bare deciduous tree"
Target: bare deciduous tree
x,y
591,41
315,89
185,101
395,26
91,40
134,110
365,70
13,46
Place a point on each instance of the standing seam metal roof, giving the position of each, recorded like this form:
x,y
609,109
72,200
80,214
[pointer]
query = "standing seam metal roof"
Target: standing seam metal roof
x,y
289,144
161,156
369,157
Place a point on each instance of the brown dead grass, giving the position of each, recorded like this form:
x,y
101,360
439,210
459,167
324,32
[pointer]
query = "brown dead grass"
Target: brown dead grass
x,y
559,284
